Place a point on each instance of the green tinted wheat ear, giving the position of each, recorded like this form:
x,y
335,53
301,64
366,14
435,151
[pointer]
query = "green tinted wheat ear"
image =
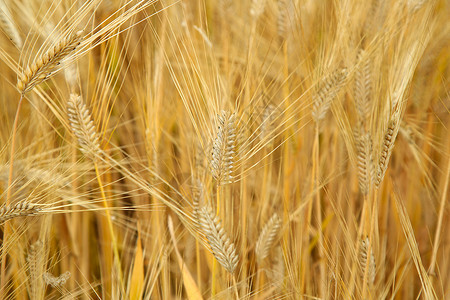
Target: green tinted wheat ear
x,y
363,254
327,90
223,249
44,66
21,209
267,237
223,152
82,125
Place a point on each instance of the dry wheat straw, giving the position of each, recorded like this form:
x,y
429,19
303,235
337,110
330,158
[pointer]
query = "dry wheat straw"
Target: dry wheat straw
x,y
327,90
44,66
223,152
58,281
366,172
21,209
223,249
82,125
267,237
363,254
386,150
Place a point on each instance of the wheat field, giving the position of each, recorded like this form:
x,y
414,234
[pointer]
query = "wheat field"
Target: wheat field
x,y
224,149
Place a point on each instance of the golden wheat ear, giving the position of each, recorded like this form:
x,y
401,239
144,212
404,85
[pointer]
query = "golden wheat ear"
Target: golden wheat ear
x,y
21,209
267,237
363,89
223,249
223,152
363,255
327,90
386,150
47,64
8,26
83,126
36,264
366,174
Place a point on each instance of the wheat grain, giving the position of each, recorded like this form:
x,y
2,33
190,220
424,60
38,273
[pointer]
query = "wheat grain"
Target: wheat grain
x,y
47,64
82,125
327,90
223,249
267,237
20,209
363,254
223,152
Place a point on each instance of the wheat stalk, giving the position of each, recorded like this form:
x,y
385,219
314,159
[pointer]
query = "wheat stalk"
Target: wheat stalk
x,y
363,255
44,66
267,237
223,249
21,209
327,90
223,152
82,125
56,281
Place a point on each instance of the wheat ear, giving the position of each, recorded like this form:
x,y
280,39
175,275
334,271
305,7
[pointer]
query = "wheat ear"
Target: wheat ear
x,y
327,90
223,249
44,66
82,125
363,254
386,150
267,127
58,281
35,261
257,8
267,237
21,209
366,172
363,89
223,152
8,26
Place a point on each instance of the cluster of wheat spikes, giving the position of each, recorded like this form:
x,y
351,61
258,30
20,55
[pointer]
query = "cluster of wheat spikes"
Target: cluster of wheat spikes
x,y
224,149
